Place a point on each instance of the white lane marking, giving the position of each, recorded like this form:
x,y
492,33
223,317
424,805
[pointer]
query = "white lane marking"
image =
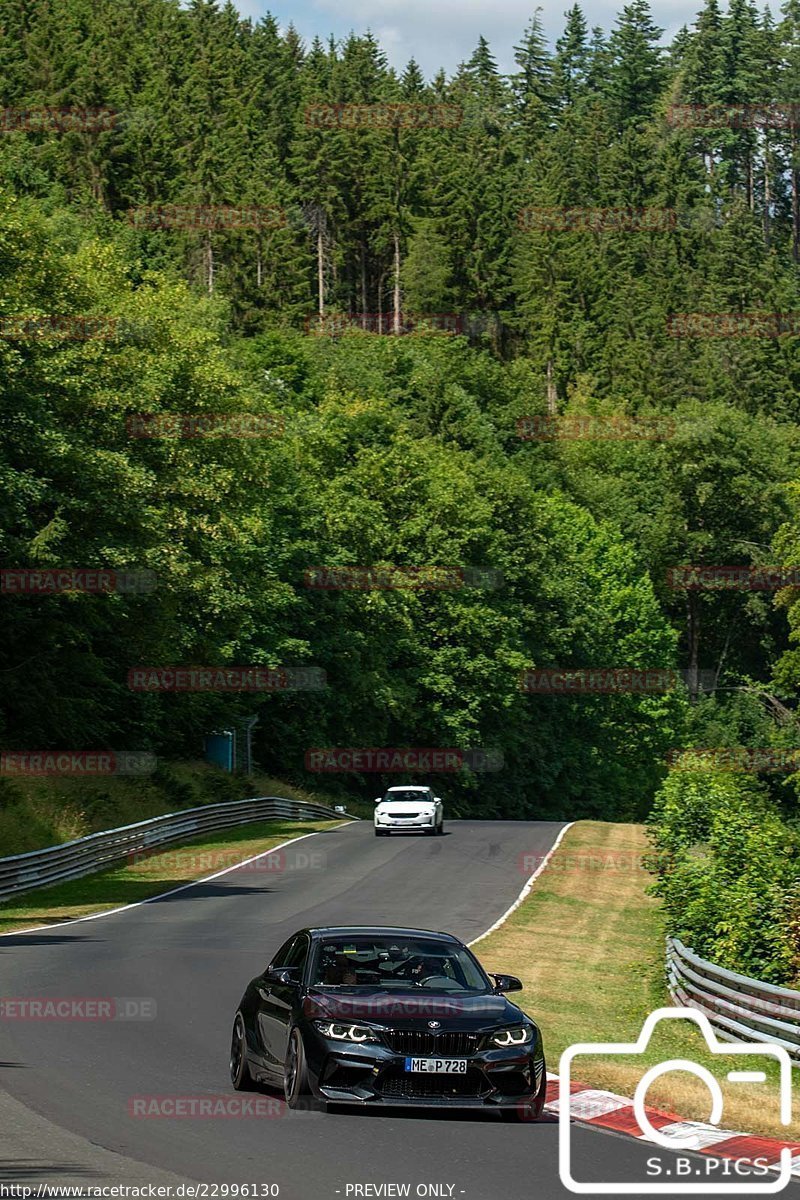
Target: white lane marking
x,y
747,1076
585,1106
526,890
109,912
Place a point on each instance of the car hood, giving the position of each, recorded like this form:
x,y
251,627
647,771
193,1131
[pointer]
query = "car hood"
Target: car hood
x,y
389,805
412,1011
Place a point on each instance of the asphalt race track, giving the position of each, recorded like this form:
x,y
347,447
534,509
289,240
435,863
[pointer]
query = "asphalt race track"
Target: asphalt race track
x,y
71,1083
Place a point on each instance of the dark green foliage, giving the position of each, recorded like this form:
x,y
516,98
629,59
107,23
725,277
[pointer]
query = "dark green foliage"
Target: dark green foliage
x,y
728,872
404,450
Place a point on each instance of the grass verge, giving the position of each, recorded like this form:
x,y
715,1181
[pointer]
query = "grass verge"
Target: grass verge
x,y
129,882
588,944
37,812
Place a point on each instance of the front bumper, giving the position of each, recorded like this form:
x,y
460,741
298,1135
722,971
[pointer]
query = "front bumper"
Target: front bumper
x,y
387,825
375,1074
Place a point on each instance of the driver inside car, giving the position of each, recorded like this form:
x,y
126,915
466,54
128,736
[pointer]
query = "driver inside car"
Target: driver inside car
x,y
339,972
426,968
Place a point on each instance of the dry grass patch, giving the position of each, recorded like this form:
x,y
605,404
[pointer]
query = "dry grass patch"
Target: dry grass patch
x,y
588,944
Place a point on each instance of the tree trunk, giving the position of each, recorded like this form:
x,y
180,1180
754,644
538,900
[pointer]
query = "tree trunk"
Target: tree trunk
x,y
259,267
693,636
209,266
723,656
552,395
767,193
396,292
320,272
363,286
795,211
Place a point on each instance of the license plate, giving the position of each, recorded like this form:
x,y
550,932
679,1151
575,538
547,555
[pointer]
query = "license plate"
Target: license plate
x,y
437,1066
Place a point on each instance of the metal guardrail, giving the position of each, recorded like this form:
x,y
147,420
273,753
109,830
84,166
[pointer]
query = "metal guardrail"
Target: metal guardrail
x,y
41,868
740,1009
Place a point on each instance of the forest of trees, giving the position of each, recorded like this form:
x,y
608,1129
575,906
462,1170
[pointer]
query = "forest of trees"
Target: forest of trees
x,y
402,450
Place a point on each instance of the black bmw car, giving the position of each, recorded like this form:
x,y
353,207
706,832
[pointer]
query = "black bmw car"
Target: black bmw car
x,y
376,1015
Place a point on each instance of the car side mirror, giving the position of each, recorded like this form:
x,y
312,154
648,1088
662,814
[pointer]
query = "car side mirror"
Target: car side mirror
x,y
506,983
377,799
285,975
437,799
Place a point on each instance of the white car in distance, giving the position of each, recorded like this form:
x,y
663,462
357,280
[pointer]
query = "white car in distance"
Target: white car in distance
x,y
408,807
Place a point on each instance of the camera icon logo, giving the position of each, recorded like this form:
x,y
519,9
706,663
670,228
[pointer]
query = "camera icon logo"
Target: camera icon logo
x,y
678,1142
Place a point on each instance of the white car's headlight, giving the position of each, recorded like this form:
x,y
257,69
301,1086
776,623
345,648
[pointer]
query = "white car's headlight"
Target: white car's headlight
x,y
518,1036
345,1033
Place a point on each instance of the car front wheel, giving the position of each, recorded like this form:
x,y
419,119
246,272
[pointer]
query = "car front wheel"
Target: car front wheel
x,y
295,1072
241,1078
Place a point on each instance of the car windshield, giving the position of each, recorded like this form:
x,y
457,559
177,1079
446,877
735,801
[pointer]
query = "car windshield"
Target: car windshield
x,y
410,797
397,964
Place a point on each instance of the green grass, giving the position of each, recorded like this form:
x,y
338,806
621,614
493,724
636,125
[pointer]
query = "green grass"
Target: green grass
x,y
126,884
40,812
588,943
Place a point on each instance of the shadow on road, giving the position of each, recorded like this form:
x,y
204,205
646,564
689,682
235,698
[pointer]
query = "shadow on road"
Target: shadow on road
x,y
480,1115
41,939
16,1170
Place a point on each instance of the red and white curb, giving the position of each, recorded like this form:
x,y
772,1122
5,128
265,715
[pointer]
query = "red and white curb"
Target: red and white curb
x,y
604,1110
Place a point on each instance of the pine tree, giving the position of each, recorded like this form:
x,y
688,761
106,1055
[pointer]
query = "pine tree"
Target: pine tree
x,y
533,85
636,74
789,73
571,66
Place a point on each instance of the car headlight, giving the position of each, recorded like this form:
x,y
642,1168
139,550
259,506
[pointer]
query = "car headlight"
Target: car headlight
x,y
345,1033
519,1035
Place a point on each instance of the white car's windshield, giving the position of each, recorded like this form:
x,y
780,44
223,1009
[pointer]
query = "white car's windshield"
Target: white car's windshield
x,y
397,964
409,797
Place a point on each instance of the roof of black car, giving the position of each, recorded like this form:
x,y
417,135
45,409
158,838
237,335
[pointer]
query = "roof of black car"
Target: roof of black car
x,y
327,930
